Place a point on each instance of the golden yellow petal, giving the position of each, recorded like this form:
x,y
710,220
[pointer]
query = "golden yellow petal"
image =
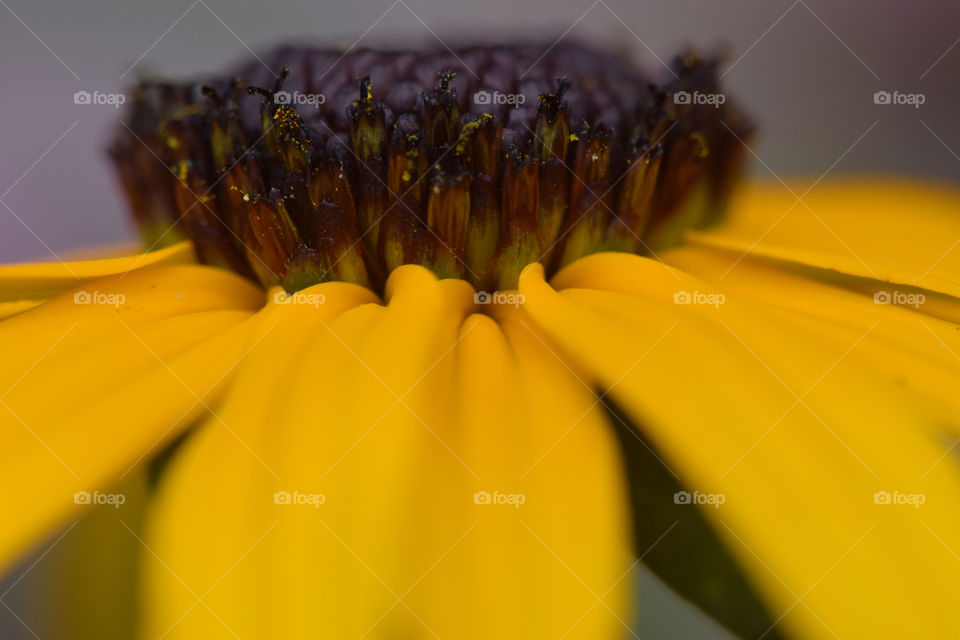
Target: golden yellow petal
x,y
892,230
45,280
88,573
8,309
89,390
398,416
798,438
917,352
104,307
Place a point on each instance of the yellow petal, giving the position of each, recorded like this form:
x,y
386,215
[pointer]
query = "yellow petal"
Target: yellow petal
x,y
397,416
794,435
44,280
107,306
81,383
8,309
911,349
890,230
248,439
92,562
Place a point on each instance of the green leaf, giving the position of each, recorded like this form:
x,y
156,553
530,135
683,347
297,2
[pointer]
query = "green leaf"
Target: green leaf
x,y
679,545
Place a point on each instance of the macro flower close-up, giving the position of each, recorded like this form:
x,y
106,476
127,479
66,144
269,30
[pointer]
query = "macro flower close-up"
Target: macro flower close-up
x,y
454,340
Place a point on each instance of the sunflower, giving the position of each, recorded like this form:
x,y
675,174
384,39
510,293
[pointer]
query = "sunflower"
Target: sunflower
x,y
445,344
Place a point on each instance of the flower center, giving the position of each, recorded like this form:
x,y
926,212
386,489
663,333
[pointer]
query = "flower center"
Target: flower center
x,y
511,157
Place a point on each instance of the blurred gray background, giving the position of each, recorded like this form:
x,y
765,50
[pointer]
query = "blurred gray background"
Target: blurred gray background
x,y
807,69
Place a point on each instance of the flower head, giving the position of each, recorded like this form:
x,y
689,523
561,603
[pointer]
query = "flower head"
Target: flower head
x,y
471,169
420,360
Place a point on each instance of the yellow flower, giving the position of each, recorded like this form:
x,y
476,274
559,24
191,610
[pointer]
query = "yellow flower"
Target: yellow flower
x,y
765,415
790,392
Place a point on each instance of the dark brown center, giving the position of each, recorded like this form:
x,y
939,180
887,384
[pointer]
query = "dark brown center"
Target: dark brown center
x,y
471,163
